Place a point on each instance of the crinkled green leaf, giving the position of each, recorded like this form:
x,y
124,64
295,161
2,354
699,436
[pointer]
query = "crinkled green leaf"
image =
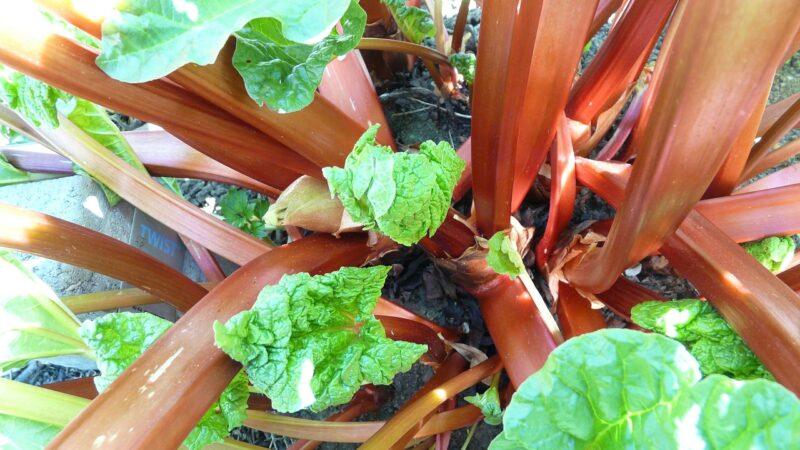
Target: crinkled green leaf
x,y
416,24
403,195
312,341
707,335
34,100
775,253
489,403
465,64
147,39
34,323
238,210
623,389
282,74
118,339
503,258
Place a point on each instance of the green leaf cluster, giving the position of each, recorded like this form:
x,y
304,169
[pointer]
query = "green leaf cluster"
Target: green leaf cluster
x,y
465,63
312,341
285,74
774,252
281,51
623,389
489,404
34,100
34,323
118,339
503,257
416,24
248,216
709,338
403,195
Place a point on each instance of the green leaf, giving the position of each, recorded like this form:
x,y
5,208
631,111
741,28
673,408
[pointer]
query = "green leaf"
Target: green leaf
x,y
709,338
118,339
148,39
282,74
465,64
312,341
775,253
489,403
17,433
615,389
248,216
403,195
416,24
172,184
34,100
503,258
34,323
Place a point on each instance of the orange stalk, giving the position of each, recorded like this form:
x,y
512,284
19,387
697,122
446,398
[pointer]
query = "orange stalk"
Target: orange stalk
x,y
783,177
346,84
110,300
605,8
205,260
460,25
791,278
52,238
152,198
624,129
774,112
397,426
685,130
772,136
575,313
771,159
162,155
465,182
560,38
391,45
624,295
192,370
505,59
620,59
562,191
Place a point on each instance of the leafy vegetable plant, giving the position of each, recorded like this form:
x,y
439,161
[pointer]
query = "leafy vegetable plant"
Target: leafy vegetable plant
x,y
665,117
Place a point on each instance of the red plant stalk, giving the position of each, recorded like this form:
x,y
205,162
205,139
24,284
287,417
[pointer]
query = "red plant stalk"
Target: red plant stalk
x,y
52,238
728,176
451,367
774,112
354,431
221,85
394,430
771,159
605,8
780,178
152,198
28,45
792,278
204,259
562,191
686,130
81,387
560,39
192,370
743,218
624,295
505,59
110,300
460,25
162,155
464,183
346,83
575,313
365,401
389,308
772,136
761,310
620,59
624,129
